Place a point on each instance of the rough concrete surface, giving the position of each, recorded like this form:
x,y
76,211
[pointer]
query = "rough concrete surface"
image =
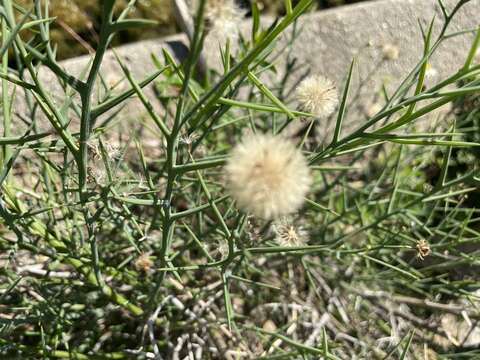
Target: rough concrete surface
x,y
327,43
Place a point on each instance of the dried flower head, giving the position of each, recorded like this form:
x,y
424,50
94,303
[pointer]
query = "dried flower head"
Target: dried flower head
x,y
423,249
112,151
267,176
96,174
188,139
289,234
143,263
317,95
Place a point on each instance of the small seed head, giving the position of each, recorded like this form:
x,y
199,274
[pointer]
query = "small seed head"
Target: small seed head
x,y
143,263
423,249
289,234
317,95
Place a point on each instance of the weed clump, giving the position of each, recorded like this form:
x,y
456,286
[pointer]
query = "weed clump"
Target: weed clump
x,y
212,224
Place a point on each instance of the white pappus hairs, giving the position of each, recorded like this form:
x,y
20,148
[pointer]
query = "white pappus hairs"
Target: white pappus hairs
x,y
224,17
267,176
317,95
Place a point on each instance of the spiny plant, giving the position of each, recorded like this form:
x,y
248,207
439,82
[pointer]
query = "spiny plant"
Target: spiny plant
x,y
240,234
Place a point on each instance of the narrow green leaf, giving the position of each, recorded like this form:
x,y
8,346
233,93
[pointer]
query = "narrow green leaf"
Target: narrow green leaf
x,y
473,51
256,21
343,105
200,164
449,194
320,207
407,346
325,343
197,209
18,82
445,163
146,103
256,283
298,345
37,22
392,351
260,107
434,142
265,91
131,24
20,140
423,69
11,36
107,105
393,267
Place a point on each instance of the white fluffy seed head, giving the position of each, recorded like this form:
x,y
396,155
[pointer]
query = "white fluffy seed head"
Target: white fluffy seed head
x,y
317,95
223,17
267,176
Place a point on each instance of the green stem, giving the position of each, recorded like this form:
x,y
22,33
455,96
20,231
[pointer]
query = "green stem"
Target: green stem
x,y
86,95
172,145
6,151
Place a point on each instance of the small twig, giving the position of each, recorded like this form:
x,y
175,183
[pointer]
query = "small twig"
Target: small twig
x,y
76,36
450,308
36,270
